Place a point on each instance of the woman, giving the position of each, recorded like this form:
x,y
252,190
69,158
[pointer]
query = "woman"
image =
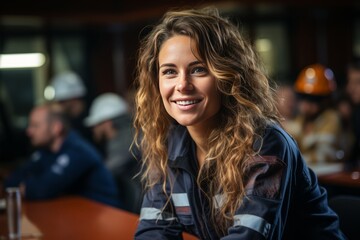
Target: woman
x,y
216,162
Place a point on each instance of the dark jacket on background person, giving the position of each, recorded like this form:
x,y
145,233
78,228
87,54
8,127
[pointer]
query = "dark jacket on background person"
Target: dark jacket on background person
x,y
283,199
76,169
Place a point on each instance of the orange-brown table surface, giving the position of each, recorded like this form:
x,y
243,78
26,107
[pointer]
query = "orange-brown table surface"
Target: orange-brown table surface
x,y
343,178
76,218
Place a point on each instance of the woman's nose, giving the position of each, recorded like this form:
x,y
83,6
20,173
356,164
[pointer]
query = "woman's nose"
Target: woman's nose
x,y
184,83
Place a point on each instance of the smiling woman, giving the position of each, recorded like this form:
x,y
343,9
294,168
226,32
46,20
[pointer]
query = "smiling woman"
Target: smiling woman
x,y
217,162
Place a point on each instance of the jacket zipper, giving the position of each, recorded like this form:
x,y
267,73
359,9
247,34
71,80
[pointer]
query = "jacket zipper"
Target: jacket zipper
x,y
199,218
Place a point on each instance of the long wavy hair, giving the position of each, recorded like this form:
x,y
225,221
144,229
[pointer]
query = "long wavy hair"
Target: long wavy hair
x,y
247,105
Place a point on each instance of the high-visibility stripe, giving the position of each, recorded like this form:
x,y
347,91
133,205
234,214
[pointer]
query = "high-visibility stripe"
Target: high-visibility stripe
x,y
155,214
253,222
218,200
180,199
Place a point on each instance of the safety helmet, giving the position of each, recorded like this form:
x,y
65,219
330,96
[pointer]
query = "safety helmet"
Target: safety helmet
x,y
64,86
105,107
315,80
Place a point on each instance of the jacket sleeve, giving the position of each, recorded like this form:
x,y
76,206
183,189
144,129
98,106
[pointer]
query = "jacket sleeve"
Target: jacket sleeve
x,y
157,217
317,217
257,218
283,204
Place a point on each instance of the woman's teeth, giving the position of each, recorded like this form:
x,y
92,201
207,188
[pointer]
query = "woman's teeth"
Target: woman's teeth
x,y
184,103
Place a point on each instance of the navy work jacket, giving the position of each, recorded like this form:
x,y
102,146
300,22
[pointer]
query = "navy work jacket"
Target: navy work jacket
x,y
283,199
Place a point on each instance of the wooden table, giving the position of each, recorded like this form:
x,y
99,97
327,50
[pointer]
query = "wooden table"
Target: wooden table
x,y
75,218
342,179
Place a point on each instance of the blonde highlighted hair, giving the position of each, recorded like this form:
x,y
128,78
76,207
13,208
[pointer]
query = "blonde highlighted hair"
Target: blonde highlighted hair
x,y
246,97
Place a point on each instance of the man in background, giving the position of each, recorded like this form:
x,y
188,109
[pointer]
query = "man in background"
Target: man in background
x,y
111,125
64,164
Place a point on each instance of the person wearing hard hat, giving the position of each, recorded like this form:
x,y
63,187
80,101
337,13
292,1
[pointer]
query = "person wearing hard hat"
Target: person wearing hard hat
x,y
111,125
317,127
68,89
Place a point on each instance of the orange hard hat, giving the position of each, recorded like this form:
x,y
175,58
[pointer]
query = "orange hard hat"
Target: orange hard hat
x,y
315,80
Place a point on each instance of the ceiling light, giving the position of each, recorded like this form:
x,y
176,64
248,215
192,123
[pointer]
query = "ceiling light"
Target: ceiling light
x,y
23,60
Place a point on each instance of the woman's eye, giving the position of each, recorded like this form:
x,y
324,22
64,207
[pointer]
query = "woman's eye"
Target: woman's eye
x,y
168,72
199,70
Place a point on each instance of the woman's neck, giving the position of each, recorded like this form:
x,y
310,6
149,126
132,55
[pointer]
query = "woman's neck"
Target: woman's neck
x,y
200,138
200,134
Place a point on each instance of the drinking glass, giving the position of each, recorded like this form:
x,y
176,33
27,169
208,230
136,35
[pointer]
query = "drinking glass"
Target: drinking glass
x,y
13,211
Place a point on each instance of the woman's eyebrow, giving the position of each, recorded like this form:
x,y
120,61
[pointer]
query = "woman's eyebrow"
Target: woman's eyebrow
x,y
167,65
196,63
173,65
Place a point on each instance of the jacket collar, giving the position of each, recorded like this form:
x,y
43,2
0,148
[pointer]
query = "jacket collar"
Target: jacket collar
x,y
181,150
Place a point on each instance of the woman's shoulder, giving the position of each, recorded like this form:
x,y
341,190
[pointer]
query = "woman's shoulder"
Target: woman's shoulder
x,y
275,141
273,129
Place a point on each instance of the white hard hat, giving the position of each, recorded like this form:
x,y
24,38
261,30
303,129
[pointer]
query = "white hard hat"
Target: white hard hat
x,y
65,86
105,107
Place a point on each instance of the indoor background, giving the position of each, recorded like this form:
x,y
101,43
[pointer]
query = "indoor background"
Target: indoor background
x,y
99,40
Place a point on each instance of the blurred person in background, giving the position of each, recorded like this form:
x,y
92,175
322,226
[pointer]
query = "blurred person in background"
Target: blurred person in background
x,y
353,89
63,164
286,104
317,127
111,124
343,105
67,88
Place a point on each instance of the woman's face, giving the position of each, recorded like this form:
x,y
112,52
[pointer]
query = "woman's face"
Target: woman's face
x,y
187,88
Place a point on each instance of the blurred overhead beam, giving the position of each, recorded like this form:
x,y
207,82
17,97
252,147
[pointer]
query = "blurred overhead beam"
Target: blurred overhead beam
x,y
126,11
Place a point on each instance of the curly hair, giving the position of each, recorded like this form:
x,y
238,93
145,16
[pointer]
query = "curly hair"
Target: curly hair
x,y
247,104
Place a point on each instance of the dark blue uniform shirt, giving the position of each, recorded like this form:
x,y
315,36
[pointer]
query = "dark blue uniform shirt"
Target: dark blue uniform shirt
x,y
76,169
283,199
